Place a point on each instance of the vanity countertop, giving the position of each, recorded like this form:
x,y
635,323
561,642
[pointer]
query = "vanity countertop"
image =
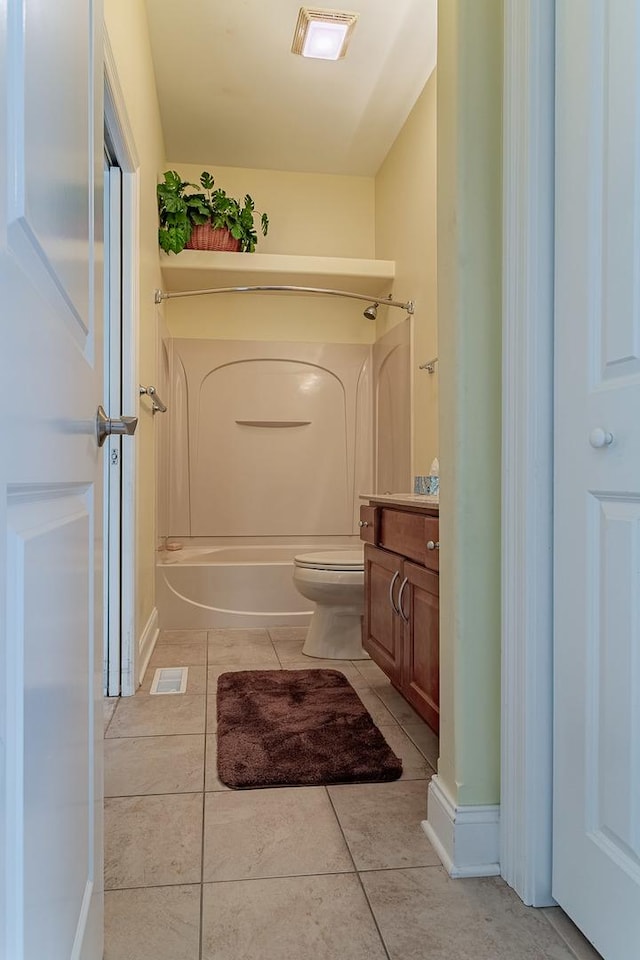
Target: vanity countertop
x,y
426,501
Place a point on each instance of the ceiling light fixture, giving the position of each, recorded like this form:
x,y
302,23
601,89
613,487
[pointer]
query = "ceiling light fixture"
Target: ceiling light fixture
x,y
323,34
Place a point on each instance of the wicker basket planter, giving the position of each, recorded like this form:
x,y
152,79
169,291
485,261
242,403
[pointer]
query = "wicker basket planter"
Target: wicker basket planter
x,y
204,237
186,211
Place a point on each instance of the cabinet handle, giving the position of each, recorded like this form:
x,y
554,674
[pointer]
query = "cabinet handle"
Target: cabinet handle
x,y
400,592
433,544
391,586
363,523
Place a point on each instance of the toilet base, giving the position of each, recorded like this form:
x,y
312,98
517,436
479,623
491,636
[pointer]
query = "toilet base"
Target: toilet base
x,y
335,633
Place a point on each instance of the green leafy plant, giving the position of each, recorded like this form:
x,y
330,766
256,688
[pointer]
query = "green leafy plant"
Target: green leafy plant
x,y
181,209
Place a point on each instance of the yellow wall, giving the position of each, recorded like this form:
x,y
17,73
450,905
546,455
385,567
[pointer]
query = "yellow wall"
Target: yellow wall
x,y
469,337
312,215
127,29
405,189
270,317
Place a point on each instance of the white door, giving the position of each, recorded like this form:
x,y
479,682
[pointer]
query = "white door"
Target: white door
x,y
596,845
113,446
50,479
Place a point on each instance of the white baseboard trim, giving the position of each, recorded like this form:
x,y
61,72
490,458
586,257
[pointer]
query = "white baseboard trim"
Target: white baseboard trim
x,y
467,839
146,643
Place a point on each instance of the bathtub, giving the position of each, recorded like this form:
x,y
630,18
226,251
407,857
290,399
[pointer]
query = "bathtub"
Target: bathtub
x,y
207,586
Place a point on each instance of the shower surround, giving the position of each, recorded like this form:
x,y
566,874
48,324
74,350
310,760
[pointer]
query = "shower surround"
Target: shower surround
x,y
270,445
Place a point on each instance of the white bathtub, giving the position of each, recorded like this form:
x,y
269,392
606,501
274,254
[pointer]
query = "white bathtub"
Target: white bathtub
x,y
208,586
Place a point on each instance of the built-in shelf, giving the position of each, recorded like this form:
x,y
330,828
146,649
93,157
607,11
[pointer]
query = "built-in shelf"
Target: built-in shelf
x,y
273,423
201,269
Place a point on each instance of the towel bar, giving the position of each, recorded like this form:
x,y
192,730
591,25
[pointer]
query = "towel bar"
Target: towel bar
x,y
151,392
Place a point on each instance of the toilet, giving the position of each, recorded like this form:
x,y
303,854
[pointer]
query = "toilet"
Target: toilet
x,y
334,581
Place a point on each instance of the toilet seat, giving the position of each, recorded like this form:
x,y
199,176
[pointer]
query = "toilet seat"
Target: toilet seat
x,y
331,560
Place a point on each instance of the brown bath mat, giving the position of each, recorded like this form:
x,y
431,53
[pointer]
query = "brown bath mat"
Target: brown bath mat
x,y
297,728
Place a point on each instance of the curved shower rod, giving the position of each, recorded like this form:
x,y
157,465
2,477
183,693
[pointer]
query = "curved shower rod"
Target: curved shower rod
x,y
409,306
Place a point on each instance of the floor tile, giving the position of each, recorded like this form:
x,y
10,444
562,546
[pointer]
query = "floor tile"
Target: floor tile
x,y
573,937
425,740
196,681
279,634
212,781
215,671
356,679
283,832
155,923
377,710
372,673
212,715
243,634
109,705
288,647
414,765
381,823
179,636
153,841
186,653
397,705
424,913
289,919
241,647
157,716
147,765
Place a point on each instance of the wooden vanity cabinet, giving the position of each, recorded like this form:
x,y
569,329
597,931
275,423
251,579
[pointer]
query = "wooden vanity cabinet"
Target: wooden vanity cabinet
x,y
382,628
421,677
401,618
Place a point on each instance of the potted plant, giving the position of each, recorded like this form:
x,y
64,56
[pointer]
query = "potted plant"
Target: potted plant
x,y
205,220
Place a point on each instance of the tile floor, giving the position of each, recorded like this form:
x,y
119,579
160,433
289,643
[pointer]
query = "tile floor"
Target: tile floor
x,y
194,871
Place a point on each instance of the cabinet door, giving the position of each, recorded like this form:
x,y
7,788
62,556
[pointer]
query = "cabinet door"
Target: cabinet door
x,y
383,634
421,607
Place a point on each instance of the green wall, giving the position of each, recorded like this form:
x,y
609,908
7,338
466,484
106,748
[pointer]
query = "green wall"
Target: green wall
x,y
469,344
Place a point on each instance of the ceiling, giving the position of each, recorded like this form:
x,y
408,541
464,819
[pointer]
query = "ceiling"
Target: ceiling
x,y
232,93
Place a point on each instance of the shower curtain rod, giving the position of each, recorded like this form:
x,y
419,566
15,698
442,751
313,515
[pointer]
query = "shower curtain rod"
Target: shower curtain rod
x,y
409,306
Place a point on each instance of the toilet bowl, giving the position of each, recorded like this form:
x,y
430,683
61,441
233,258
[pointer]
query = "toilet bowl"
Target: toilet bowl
x,y
334,581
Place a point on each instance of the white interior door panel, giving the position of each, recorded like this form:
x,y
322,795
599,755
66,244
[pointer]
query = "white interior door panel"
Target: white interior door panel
x,y
596,849
51,382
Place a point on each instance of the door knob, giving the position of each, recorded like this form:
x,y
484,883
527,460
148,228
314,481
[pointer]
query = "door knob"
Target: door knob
x,y
119,426
600,438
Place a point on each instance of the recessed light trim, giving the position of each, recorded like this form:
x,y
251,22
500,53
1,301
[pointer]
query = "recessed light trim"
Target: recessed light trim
x,y
323,34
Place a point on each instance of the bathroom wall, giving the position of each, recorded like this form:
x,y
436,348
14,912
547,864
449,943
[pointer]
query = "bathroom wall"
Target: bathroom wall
x,y
405,199
268,439
163,429
312,215
392,415
266,316
469,308
127,29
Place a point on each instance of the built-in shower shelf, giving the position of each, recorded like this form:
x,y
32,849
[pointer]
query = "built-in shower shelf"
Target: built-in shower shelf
x,y
273,423
202,269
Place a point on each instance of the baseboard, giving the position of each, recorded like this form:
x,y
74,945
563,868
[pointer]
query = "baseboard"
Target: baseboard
x,y
467,839
146,643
